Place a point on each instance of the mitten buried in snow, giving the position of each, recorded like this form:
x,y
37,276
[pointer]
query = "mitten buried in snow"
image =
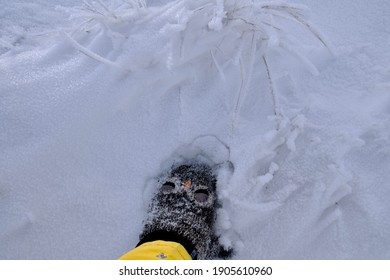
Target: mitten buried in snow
x,y
183,211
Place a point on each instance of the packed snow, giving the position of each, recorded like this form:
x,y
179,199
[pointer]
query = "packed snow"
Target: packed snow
x,y
291,100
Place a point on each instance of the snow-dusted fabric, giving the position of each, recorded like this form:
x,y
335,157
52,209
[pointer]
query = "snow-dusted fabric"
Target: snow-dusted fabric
x,y
178,211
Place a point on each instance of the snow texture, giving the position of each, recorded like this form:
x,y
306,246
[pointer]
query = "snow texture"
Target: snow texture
x,y
291,100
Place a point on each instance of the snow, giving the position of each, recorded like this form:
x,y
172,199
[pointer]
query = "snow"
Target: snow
x,y
290,98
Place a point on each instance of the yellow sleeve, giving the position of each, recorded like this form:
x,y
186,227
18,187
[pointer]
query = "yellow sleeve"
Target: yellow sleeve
x,y
158,250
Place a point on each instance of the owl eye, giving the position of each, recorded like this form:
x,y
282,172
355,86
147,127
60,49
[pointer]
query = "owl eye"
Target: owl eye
x,y
168,186
201,195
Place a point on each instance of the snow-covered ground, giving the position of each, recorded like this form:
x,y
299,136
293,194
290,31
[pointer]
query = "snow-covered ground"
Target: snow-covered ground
x,y
292,103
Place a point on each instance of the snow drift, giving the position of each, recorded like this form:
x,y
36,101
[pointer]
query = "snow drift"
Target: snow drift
x,y
91,117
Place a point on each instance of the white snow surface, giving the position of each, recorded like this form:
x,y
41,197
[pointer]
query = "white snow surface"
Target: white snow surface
x,y
291,99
